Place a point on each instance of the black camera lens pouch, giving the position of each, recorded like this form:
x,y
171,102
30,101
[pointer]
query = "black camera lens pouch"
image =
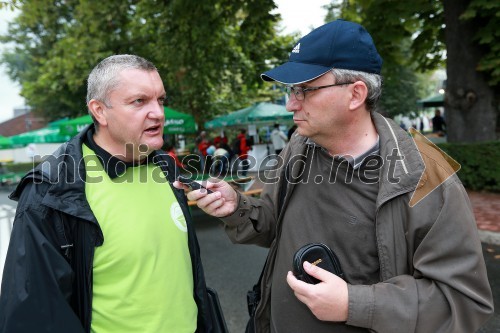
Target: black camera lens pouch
x,y
317,254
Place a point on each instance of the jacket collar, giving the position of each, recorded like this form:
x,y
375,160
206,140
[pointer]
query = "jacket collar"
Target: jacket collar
x,y
403,164
64,170
112,165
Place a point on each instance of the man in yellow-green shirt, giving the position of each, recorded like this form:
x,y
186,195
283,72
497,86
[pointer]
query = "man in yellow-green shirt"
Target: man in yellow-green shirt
x,y
101,241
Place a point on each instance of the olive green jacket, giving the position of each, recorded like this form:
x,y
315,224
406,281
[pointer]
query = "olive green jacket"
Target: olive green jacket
x,y
432,272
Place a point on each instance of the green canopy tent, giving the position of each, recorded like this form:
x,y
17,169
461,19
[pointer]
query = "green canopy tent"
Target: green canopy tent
x,y
178,123
49,134
259,113
175,123
432,101
5,143
72,127
42,135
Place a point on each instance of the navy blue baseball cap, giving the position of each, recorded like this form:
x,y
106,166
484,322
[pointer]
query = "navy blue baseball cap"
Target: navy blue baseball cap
x,y
338,44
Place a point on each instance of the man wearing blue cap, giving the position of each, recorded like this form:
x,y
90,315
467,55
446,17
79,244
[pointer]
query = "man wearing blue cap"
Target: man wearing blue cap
x,y
392,210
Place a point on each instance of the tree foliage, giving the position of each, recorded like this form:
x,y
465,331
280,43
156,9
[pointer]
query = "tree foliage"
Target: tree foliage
x,y
209,53
411,37
406,73
486,14
8,4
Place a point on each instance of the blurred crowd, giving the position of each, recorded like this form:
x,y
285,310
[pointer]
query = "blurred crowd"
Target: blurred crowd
x,y
220,154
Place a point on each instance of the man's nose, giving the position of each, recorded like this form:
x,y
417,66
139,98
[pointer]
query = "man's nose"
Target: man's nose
x,y
156,110
293,104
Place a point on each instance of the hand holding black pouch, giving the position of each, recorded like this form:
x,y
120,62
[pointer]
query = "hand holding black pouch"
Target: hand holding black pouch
x,y
317,254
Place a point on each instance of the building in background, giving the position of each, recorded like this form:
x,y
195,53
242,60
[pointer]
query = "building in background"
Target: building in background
x,y
24,121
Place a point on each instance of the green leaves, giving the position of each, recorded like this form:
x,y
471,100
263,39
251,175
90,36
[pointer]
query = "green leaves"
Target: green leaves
x,y
209,53
487,15
410,38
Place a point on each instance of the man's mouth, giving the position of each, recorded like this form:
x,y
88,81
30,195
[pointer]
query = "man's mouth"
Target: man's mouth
x,y
153,129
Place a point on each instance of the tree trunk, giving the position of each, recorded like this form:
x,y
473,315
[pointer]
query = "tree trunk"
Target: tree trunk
x,y
470,106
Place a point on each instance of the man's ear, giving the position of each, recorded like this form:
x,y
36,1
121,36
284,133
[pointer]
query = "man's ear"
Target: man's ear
x,y
359,92
97,110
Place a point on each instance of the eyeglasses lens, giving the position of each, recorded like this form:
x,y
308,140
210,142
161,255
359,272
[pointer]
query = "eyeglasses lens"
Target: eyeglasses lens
x,y
297,91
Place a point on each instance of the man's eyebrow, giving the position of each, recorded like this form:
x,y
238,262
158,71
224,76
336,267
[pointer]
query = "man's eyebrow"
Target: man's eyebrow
x,y
138,95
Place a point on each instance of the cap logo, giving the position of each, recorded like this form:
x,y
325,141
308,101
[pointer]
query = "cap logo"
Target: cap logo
x,y
296,49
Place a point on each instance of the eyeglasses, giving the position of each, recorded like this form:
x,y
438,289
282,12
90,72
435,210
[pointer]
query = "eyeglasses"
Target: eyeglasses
x,y
300,93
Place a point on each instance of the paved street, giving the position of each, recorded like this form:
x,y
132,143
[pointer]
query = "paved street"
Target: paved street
x,y
233,269
230,269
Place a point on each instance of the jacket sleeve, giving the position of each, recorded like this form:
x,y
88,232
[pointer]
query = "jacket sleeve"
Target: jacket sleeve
x,y
37,279
254,221
446,288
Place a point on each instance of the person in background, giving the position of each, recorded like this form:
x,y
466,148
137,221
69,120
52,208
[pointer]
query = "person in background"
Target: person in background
x,y
221,142
278,138
402,125
390,207
438,123
203,143
221,139
101,240
170,150
220,164
209,158
244,148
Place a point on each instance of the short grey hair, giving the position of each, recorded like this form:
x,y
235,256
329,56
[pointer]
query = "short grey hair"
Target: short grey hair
x,y
105,76
373,83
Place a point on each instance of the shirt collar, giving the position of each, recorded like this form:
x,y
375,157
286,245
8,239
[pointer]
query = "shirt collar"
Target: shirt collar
x,y
113,166
356,161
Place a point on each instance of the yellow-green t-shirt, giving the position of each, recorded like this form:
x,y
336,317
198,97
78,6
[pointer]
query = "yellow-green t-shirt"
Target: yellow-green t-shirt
x,y
142,274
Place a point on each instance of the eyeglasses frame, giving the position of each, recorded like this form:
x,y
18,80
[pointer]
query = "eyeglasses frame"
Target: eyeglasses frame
x,y
290,89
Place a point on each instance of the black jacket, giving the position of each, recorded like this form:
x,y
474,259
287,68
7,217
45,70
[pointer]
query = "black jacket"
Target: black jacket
x,y
47,281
